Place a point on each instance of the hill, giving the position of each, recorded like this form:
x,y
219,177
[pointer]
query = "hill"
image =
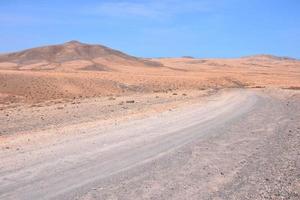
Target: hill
x,y
75,70
268,57
72,56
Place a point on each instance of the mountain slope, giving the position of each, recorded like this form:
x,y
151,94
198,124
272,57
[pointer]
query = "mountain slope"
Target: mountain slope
x,y
268,57
72,55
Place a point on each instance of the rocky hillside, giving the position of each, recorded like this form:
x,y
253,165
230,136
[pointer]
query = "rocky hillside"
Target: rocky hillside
x,y
72,55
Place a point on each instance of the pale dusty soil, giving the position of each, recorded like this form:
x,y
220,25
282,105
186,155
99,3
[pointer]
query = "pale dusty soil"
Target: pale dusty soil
x,y
246,159
233,144
255,157
32,86
74,125
24,118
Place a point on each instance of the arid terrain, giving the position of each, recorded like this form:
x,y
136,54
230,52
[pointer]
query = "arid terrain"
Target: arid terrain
x,y
76,70
82,121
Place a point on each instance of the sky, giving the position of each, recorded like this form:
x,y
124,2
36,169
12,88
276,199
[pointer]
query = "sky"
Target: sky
x,y
158,28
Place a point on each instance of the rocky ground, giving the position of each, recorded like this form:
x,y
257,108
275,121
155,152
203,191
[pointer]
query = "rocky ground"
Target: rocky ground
x,y
81,121
229,144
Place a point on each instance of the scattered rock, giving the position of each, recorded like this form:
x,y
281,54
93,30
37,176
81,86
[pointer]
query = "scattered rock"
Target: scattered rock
x,y
258,86
174,94
130,101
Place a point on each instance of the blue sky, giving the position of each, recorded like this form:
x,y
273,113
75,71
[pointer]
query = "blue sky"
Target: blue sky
x,y
158,28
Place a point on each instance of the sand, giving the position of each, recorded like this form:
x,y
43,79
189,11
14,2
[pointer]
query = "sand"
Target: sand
x,y
83,121
67,73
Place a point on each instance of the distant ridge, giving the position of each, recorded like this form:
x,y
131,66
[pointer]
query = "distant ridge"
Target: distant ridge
x,y
191,57
269,57
64,57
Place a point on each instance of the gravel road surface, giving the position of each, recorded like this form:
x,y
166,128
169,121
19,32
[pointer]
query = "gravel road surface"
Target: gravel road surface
x,y
239,144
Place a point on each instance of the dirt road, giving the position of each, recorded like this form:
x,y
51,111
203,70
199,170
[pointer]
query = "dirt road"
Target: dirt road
x,y
240,144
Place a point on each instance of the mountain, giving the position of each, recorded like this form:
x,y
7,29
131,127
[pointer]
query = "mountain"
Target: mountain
x,y
267,57
71,56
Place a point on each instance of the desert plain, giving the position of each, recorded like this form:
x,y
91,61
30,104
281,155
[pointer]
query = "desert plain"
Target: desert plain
x,y
83,121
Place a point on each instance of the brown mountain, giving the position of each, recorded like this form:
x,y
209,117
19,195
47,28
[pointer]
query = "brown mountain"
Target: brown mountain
x,y
72,56
76,70
268,57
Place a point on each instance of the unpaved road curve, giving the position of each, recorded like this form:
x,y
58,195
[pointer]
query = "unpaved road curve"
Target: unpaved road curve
x,y
205,151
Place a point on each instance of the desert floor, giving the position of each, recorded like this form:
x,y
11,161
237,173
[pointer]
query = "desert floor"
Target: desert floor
x,y
189,144
120,127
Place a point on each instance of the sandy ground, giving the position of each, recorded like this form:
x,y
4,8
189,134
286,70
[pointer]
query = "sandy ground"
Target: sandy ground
x,y
28,118
233,144
80,121
35,86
